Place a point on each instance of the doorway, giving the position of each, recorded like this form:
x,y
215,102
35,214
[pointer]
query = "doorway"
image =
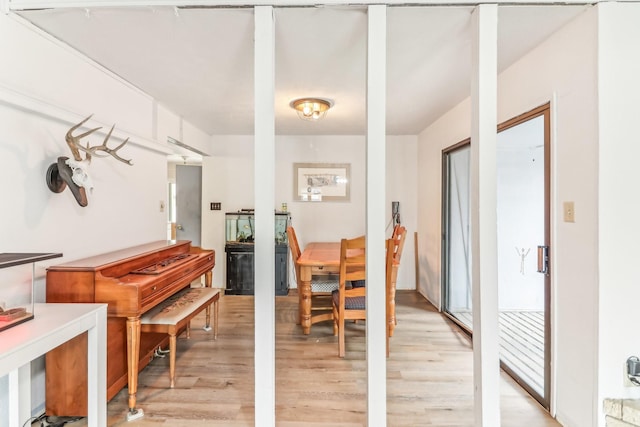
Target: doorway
x,y
523,235
188,201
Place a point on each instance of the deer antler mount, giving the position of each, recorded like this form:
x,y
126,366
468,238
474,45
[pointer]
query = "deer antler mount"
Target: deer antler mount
x,y
74,172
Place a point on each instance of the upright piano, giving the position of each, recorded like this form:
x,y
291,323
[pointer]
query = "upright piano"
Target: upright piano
x,y
131,281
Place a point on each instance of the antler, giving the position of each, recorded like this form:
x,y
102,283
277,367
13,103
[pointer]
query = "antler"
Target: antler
x,y
74,141
74,144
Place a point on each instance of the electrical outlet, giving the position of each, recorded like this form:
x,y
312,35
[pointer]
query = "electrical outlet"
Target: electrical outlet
x,y
216,206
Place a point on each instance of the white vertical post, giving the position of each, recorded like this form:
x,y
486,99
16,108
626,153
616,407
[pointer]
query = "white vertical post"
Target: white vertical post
x,y
486,362
20,395
97,370
264,184
376,141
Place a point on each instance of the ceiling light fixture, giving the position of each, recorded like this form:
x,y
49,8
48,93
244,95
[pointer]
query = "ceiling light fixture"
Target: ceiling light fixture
x,y
311,108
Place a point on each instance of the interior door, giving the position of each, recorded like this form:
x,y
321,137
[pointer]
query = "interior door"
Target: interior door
x,y
188,203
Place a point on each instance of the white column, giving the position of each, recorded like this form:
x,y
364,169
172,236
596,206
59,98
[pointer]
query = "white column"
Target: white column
x,y
97,370
376,301
20,395
616,219
486,363
264,184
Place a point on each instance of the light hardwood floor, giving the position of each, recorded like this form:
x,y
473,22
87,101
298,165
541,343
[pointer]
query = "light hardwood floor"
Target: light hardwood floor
x,y
429,375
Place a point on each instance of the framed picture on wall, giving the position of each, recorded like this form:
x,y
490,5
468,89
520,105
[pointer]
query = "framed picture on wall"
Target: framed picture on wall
x,y
321,182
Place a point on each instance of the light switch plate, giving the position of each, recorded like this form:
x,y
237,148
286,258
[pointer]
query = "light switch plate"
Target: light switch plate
x,y
569,212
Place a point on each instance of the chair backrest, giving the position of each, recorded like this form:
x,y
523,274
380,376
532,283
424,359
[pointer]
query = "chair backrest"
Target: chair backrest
x,y
295,250
293,243
391,245
352,261
399,234
390,254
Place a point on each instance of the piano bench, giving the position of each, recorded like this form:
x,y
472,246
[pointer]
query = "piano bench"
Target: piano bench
x,y
176,312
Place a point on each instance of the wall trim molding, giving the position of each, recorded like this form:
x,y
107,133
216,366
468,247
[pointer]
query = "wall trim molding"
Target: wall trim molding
x,y
45,109
58,4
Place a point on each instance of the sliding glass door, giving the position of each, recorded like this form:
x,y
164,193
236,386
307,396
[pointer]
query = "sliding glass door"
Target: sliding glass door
x,y
522,206
457,232
523,243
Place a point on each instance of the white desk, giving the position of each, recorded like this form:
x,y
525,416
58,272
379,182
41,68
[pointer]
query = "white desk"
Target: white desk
x,y
55,324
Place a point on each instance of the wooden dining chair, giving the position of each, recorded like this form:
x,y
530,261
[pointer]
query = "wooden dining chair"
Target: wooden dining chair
x,y
398,237
321,285
349,304
390,280
399,234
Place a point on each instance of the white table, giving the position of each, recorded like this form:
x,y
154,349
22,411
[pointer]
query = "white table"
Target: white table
x,y
55,324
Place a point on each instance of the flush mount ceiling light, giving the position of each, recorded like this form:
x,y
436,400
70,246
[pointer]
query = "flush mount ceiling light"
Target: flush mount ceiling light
x,y
311,108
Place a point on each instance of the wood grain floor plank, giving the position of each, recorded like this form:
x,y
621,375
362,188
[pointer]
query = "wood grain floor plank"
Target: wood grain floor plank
x,y
429,375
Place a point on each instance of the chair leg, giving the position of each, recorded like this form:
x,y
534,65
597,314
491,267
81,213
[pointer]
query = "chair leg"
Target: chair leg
x,y
388,333
341,346
172,360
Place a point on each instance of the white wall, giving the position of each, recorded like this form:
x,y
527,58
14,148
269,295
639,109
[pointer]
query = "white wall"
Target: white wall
x,y
228,178
547,73
619,207
402,186
451,128
36,110
571,86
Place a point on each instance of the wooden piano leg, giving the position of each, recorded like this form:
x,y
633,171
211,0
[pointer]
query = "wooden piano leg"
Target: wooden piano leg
x,y
133,355
208,276
172,360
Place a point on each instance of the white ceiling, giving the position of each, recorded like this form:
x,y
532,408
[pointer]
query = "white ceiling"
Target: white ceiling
x,y
198,62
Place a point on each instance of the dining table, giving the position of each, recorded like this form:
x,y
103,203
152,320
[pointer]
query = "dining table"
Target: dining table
x,y
323,258
317,259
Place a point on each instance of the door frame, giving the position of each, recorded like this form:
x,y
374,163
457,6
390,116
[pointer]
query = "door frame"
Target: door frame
x,y
444,267
545,111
